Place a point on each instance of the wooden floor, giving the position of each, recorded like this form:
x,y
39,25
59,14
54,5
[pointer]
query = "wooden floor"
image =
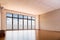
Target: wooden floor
x,y
44,35
3,38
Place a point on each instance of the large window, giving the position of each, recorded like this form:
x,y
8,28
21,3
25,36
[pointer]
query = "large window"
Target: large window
x,y
17,21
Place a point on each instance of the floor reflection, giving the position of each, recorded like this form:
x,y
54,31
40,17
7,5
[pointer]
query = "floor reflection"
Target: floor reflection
x,y
20,35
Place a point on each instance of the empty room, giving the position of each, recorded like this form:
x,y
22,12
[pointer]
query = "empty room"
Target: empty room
x,y
29,19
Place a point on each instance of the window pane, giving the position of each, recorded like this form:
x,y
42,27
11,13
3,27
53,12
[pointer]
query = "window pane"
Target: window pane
x,y
9,23
33,24
20,16
15,15
33,18
15,23
9,14
29,24
29,17
20,23
25,17
25,24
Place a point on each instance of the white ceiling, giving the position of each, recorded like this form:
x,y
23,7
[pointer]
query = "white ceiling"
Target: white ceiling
x,y
35,7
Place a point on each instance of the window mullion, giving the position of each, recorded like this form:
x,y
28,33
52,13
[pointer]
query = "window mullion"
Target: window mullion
x,y
27,22
31,23
12,21
23,22
18,22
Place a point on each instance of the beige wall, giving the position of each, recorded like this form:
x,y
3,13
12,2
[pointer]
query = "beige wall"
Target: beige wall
x,y
50,21
0,18
37,21
50,25
3,18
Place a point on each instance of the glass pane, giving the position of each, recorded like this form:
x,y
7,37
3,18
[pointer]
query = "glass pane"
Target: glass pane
x,y
33,24
25,24
15,23
29,24
20,23
9,14
20,16
33,18
15,15
9,23
25,17
29,17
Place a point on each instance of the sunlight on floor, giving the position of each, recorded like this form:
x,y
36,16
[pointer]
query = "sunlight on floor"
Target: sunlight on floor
x,y
21,35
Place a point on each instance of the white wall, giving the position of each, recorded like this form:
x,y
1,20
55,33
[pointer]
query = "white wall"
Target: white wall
x,y
50,21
